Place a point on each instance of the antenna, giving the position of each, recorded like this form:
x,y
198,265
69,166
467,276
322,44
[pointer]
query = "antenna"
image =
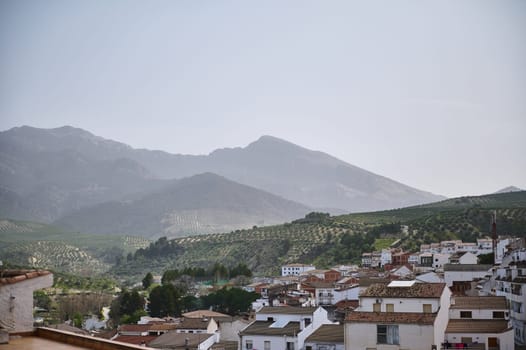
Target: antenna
x,y
494,235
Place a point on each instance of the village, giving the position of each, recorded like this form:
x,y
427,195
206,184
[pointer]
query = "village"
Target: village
x,y
443,296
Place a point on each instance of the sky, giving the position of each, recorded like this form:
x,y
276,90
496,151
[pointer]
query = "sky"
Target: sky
x,y
428,93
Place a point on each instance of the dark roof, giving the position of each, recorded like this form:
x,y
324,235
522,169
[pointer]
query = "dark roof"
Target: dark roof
x,y
135,339
417,290
327,333
135,327
163,326
194,323
477,326
225,345
466,267
287,310
174,340
15,276
391,317
263,328
484,302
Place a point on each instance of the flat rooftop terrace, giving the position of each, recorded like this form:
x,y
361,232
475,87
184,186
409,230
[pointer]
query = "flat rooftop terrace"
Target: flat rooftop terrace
x,y
52,339
33,342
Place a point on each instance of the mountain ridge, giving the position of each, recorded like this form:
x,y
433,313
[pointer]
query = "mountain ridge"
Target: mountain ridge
x,y
116,170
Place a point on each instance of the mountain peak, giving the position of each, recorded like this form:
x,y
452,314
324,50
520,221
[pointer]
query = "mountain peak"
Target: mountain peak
x,y
509,189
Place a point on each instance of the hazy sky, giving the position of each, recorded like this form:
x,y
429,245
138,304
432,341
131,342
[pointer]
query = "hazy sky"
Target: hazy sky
x,y
429,93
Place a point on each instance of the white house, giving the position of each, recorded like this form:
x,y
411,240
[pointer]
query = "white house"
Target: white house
x,y
295,269
440,259
326,337
283,328
400,315
510,282
464,258
16,299
459,276
479,322
385,257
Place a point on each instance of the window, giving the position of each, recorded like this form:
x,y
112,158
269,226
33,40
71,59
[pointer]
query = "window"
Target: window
x,y
377,307
290,345
248,344
465,314
389,307
266,345
387,334
307,322
427,308
498,314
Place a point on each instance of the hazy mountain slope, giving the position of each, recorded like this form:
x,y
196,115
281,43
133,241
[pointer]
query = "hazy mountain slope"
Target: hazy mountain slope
x,y
203,203
279,167
509,189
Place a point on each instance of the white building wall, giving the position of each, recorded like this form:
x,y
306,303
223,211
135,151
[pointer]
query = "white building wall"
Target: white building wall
x,y
440,259
400,304
360,336
320,317
276,342
442,318
450,276
346,294
16,302
468,258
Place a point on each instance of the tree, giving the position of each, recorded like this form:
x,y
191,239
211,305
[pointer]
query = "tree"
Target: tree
x,y
126,305
231,301
147,280
164,301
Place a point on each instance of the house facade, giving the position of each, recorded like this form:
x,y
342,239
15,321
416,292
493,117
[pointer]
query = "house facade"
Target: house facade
x,y
282,328
480,323
399,315
16,298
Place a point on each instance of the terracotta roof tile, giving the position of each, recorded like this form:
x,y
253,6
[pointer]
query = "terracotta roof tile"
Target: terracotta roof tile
x,y
263,328
477,326
483,302
417,290
135,339
287,310
15,276
327,333
391,317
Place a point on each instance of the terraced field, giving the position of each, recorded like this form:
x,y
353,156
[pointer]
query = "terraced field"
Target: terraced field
x,y
45,246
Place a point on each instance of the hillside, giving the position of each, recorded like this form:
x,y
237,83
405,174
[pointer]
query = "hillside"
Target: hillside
x,y
205,203
41,245
56,171
327,240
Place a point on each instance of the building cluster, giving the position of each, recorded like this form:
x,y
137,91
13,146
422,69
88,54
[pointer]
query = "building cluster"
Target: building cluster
x,y
428,302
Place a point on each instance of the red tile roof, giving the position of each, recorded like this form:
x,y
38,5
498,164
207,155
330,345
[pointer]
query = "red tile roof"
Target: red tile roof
x,y
135,339
15,276
391,317
135,327
477,326
417,290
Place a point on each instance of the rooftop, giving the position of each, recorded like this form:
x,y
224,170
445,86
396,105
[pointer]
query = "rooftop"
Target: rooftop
x,y
327,333
15,276
467,267
483,302
34,342
417,290
204,313
391,317
477,326
263,328
173,340
194,323
287,310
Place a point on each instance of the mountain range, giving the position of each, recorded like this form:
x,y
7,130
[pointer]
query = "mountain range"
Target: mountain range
x,y
89,183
